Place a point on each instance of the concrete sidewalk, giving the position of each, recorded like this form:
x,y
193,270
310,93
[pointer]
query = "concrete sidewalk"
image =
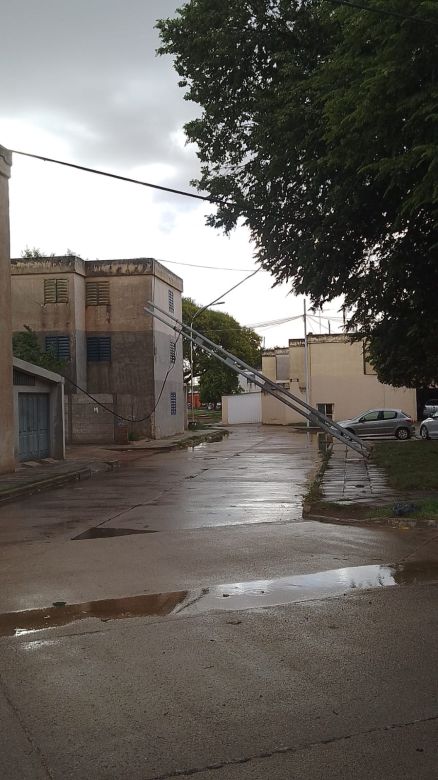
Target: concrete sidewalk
x,y
84,461
352,479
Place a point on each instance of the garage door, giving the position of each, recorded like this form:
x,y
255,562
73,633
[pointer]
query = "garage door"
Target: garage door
x,y
33,415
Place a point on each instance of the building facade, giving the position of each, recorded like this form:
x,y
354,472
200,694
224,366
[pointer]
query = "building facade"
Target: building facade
x,y
341,382
91,315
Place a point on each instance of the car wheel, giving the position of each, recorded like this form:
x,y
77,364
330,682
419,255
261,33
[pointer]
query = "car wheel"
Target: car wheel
x,y
424,433
403,433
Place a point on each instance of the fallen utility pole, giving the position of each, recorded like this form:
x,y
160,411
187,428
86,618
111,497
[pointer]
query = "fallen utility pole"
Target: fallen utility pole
x,y
314,416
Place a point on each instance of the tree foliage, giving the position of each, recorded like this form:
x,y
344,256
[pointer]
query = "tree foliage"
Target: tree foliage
x,y
319,128
215,378
25,345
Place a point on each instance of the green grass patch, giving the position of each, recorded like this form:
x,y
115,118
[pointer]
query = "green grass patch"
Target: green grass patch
x,y
409,465
426,509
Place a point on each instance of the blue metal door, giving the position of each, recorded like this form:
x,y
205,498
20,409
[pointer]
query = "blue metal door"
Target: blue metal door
x,y
33,415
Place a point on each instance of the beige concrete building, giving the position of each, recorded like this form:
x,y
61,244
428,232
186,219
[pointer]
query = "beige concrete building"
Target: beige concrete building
x,y
7,426
91,314
341,381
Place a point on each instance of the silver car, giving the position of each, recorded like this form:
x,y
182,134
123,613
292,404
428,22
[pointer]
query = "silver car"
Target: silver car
x,y
381,422
429,427
430,407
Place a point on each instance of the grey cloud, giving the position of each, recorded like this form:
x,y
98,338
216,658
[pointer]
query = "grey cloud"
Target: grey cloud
x,y
88,71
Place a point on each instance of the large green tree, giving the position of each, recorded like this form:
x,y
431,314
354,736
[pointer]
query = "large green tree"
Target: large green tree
x,y
216,379
319,128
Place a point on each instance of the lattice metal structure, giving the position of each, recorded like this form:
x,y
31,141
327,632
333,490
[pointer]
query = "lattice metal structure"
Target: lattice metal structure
x,y
314,416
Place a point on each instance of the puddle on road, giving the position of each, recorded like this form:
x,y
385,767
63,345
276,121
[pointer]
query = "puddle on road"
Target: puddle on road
x,y
303,587
227,597
107,533
151,604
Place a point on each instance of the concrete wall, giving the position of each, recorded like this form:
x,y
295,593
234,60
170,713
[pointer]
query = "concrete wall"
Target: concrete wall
x,y
165,423
269,365
337,376
49,383
129,375
7,433
56,319
140,346
90,423
296,362
243,408
276,413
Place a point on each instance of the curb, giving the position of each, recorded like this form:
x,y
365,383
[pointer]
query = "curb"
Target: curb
x,y
28,489
404,523
99,467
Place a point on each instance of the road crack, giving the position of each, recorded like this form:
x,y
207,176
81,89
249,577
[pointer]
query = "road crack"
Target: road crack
x,y
291,749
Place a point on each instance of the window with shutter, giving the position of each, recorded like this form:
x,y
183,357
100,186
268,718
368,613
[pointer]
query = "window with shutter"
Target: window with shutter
x,y
59,346
97,294
173,403
55,290
99,349
171,299
172,351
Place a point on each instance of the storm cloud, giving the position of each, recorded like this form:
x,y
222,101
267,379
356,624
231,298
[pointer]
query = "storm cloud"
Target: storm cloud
x,y
88,70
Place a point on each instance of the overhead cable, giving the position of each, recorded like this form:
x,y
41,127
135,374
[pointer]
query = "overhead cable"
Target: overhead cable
x,y
99,172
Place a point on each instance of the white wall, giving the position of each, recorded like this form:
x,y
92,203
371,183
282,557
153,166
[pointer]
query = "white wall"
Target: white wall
x,y
244,408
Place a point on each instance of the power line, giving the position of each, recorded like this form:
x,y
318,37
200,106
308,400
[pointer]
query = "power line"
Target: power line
x,y
272,323
210,267
99,172
383,11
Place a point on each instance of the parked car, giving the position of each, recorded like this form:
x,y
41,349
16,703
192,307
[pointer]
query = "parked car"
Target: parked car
x,y
429,427
381,422
430,407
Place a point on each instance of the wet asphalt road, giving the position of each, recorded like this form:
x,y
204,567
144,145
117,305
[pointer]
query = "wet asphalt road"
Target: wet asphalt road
x,y
342,685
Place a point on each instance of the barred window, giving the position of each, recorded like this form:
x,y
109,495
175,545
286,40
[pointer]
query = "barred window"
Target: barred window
x,y
99,349
59,346
172,351
173,403
55,290
171,299
97,293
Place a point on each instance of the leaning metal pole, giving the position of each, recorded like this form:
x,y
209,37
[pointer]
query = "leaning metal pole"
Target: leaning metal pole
x,y
267,385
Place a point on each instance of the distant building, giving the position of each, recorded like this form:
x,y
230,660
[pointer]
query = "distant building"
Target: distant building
x,y
91,314
342,383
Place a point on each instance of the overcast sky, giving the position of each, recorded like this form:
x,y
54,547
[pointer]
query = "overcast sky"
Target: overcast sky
x,y
80,81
